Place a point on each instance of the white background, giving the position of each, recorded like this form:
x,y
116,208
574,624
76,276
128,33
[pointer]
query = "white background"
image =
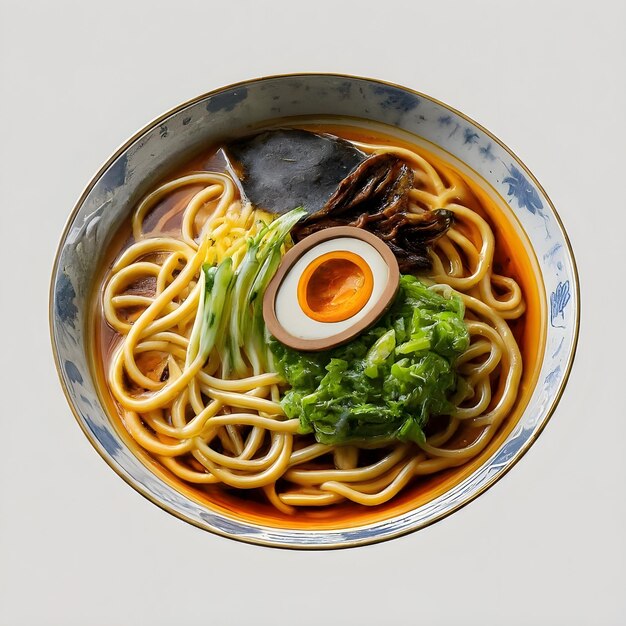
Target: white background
x,y
546,545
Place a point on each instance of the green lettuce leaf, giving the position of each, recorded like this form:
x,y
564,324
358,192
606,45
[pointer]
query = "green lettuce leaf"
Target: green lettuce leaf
x,y
387,382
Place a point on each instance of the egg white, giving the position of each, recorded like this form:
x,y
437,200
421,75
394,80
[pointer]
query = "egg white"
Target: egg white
x,y
288,311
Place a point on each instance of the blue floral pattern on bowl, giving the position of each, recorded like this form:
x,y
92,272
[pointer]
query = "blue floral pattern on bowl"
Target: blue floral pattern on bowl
x,y
235,109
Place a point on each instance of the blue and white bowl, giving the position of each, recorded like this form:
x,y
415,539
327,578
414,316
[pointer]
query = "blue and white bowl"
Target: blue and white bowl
x,y
131,171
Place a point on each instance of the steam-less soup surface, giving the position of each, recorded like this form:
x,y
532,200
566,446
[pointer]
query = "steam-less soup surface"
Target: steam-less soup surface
x,y
380,411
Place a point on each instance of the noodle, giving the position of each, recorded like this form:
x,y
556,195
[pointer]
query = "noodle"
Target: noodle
x,y
207,429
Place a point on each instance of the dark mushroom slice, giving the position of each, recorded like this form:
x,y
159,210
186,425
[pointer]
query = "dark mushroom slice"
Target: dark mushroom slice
x,y
286,168
414,239
378,185
375,196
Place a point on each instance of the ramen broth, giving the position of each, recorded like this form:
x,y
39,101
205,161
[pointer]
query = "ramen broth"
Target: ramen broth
x,y
513,258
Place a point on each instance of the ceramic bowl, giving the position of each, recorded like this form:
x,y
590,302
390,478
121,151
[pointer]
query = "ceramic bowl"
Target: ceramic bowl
x,y
130,172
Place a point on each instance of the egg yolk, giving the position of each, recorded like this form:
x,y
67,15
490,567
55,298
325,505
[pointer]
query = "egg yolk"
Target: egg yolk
x,y
335,286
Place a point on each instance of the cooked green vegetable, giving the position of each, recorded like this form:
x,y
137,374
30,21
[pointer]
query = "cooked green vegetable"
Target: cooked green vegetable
x,y
240,293
386,383
256,270
215,282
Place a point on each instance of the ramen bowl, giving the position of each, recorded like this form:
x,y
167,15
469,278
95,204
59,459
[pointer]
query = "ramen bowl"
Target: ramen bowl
x,y
238,109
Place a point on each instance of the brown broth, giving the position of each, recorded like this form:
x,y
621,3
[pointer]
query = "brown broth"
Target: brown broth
x,y
513,257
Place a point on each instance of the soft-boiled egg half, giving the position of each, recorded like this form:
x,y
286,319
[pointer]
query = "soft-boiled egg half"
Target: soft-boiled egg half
x,y
329,288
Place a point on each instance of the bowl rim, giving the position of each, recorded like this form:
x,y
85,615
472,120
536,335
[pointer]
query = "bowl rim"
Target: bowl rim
x,y
293,545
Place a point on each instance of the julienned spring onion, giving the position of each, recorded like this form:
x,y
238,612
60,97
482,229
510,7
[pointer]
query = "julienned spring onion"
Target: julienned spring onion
x,y
215,282
230,308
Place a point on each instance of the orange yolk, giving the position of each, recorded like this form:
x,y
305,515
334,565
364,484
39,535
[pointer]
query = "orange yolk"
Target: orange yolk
x,y
335,286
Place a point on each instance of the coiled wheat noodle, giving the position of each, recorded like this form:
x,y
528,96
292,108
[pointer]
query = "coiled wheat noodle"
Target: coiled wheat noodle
x,y
206,429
